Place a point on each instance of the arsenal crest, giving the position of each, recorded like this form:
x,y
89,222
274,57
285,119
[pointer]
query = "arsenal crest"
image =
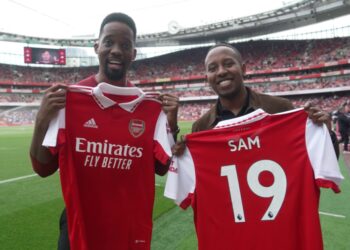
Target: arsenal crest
x,y
136,127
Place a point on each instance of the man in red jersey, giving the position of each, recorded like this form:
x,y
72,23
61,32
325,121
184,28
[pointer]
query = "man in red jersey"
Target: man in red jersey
x,y
116,51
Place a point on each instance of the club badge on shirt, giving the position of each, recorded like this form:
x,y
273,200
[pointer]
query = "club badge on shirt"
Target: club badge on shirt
x,y
136,127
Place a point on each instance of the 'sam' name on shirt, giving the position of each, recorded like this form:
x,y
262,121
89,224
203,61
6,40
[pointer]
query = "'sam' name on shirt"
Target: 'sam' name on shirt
x,y
247,143
239,144
103,154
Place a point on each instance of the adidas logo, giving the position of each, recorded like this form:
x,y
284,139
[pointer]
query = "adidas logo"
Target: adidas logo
x,y
90,124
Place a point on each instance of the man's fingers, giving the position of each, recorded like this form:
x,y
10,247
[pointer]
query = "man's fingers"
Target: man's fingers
x,y
179,148
56,87
56,94
57,100
168,99
170,102
307,106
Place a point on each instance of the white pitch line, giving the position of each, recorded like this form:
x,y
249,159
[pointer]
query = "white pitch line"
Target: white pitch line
x,y
17,178
333,215
32,175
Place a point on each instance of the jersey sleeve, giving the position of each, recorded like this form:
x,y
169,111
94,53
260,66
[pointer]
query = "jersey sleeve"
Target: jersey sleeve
x,y
322,156
181,181
163,139
53,136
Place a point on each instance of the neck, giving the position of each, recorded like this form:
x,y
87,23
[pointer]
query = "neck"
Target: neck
x,y
120,83
234,103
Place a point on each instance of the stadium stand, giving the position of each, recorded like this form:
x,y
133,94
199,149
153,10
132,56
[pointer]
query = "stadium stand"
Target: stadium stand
x,y
302,70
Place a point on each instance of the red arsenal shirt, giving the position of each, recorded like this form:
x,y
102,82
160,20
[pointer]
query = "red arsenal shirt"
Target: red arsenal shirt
x,y
108,139
253,182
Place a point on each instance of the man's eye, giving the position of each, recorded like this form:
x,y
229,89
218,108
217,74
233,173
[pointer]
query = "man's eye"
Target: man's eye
x,y
229,64
126,46
108,43
212,69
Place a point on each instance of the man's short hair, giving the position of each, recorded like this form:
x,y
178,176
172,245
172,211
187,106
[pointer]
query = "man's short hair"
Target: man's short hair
x,y
223,44
119,17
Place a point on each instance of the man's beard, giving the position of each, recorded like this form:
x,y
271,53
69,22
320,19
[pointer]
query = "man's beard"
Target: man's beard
x,y
114,75
234,93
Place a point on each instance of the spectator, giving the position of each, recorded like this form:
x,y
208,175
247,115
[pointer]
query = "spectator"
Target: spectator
x,y
344,124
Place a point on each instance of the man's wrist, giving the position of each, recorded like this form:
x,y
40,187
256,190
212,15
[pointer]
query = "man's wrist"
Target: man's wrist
x,y
333,135
175,130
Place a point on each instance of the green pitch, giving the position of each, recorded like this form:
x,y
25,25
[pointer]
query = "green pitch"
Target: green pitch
x,y
30,207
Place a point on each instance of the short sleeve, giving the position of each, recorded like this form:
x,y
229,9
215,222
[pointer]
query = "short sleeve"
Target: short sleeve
x,y
322,156
57,123
181,181
163,138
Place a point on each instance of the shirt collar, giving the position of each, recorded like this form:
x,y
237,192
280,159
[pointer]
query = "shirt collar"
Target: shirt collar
x,y
105,102
224,114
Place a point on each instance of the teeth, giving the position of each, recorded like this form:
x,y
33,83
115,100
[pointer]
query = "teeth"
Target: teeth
x,y
117,62
225,82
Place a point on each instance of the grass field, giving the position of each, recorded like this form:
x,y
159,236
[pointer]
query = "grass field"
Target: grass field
x,y
30,207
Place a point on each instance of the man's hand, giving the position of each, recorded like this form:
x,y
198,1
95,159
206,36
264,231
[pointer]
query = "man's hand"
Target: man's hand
x,y
179,148
54,99
318,116
44,163
170,104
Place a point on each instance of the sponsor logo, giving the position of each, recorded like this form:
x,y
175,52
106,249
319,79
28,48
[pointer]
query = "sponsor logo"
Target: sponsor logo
x,y
107,155
136,127
90,124
83,145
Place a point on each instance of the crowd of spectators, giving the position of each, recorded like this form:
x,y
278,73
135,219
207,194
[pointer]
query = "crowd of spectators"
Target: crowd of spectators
x,y
319,83
270,87
29,75
264,54
21,116
309,84
192,111
188,111
284,54
17,97
258,55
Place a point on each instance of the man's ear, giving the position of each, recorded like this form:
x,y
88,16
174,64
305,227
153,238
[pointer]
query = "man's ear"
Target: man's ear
x,y
96,47
243,69
135,53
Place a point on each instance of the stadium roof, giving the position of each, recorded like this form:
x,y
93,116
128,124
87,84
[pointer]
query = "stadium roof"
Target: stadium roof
x,y
67,19
81,19
205,22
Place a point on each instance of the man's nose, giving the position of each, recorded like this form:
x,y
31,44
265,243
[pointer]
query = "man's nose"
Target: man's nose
x,y
222,70
116,49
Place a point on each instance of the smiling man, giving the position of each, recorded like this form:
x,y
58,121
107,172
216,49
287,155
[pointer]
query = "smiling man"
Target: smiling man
x,y
209,172
225,71
111,141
